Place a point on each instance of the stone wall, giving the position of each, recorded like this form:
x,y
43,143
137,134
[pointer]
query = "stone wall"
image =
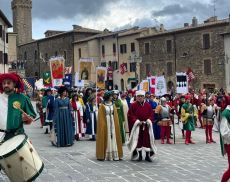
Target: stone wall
x,y
187,51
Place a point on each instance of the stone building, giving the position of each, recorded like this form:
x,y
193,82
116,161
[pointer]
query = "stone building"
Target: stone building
x,y
38,52
199,46
226,61
4,25
113,49
22,20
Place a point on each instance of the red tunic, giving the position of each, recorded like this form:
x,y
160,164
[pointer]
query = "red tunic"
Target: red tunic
x,y
142,113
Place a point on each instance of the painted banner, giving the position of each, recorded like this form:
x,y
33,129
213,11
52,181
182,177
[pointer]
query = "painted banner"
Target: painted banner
x,y
182,83
85,70
160,86
57,66
152,84
68,70
67,81
78,83
101,73
47,81
57,82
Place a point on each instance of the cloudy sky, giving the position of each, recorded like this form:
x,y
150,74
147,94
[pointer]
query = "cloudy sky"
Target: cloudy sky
x,y
117,14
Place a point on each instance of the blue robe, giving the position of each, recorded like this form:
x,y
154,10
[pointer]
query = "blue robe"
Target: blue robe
x,y
63,123
91,123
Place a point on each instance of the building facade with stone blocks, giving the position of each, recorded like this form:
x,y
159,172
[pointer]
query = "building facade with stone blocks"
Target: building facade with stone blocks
x,y
226,61
4,25
37,53
113,49
199,46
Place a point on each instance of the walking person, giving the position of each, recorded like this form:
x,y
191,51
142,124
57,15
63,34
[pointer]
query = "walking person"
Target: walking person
x,y
109,142
63,120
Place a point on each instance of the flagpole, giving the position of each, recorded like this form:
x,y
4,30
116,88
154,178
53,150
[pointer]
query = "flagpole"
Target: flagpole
x,y
96,85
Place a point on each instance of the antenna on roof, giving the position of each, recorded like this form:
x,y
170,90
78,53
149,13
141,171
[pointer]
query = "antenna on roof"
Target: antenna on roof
x,y
214,7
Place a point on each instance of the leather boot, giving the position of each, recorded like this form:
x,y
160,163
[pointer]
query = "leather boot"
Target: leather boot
x,y
140,156
147,157
186,137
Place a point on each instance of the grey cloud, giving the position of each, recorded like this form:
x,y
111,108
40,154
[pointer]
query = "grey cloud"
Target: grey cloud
x,y
51,9
172,9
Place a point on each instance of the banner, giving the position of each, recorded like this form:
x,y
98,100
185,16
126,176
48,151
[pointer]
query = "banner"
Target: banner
x,y
123,68
57,82
78,83
160,86
152,84
182,83
47,81
57,66
101,73
68,70
85,70
67,81
145,85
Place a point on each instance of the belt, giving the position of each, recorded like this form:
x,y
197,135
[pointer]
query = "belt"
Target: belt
x,y
63,107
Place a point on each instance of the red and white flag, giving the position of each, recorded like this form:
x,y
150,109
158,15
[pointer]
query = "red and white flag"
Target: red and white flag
x,y
190,74
123,68
68,70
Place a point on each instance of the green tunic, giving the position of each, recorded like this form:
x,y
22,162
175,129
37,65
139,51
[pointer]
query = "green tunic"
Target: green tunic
x,y
226,114
14,116
190,122
121,117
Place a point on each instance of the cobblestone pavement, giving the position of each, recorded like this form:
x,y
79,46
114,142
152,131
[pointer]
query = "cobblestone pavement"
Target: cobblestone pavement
x,y
174,163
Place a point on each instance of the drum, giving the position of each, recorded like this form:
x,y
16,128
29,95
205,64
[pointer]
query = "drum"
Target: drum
x,y
19,160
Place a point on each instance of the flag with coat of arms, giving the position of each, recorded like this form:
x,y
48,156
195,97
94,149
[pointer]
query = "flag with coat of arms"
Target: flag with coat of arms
x,y
47,81
123,68
190,74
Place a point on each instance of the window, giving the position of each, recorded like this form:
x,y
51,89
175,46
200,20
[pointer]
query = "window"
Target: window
x,y
56,53
65,54
114,65
7,38
169,46
132,67
46,57
169,69
123,48
25,55
103,50
132,47
114,49
147,48
1,57
0,31
5,58
35,55
148,69
103,64
79,53
206,41
207,67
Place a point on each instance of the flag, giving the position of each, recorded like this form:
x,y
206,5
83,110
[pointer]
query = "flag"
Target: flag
x,y
101,73
47,81
123,68
78,83
57,66
67,81
68,70
190,74
182,83
57,82
160,86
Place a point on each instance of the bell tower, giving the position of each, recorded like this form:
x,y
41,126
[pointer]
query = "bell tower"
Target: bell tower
x,y
22,20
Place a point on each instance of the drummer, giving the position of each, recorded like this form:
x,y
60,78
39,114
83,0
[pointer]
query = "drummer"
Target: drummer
x,y
16,108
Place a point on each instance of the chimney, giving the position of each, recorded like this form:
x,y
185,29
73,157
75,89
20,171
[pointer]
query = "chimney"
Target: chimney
x,y
186,24
76,27
194,21
162,29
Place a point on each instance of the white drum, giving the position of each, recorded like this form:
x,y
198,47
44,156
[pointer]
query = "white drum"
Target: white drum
x,y
19,160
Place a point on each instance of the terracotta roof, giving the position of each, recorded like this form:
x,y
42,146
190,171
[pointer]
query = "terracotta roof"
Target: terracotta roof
x,y
189,28
5,19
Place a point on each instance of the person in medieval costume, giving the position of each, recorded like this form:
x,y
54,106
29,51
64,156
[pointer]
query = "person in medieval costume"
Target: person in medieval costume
x,y
125,108
91,117
78,117
63,134
188,117
39,109
108,143
164,121
225,139
120,111
140,117
16,108
209,114
49,111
